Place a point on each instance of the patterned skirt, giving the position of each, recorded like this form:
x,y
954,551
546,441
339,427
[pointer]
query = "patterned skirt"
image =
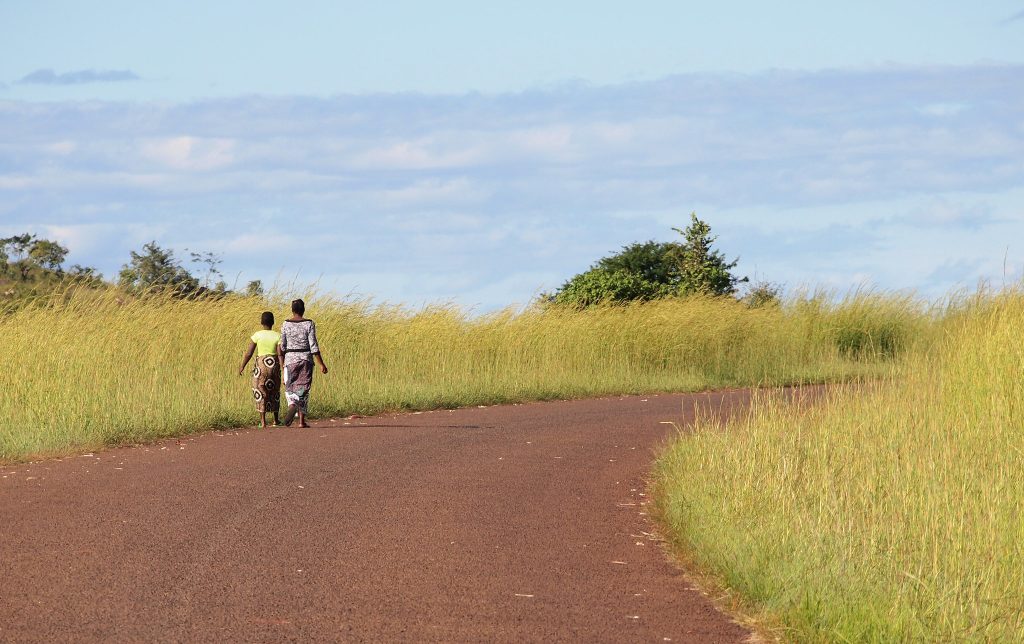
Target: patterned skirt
x,y
298,378
266,384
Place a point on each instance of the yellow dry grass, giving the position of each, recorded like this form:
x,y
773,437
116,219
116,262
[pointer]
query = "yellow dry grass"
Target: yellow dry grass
x,y
886,514
94,368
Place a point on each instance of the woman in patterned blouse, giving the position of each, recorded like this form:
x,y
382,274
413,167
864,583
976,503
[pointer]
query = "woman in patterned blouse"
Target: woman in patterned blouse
x,y
297,350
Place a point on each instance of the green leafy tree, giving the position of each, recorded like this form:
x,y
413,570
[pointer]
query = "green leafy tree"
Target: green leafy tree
x,y
28,253
600,286
640,271
156,268
16,247
15,250
650,260
85,275
47,254
701,268
31,267
254,288
650,270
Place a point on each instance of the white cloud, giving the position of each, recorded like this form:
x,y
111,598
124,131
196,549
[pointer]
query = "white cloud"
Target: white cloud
x,y
189,153
441,151
432,192
539,183
61,148
943,109
945,213
14,182
78,77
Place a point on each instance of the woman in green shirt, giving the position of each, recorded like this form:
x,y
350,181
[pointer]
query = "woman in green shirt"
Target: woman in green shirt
x,y
266,375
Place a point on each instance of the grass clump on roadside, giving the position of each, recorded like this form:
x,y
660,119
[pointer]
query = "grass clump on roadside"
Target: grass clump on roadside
x,y
93,368
885,513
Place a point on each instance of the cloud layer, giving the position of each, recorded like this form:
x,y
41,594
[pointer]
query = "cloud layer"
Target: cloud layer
x,y
424,197
50,77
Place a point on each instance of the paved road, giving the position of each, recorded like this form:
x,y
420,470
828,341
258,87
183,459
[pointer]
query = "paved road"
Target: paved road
x,y
515,523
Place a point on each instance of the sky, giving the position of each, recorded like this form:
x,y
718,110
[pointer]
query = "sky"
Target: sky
x,y
481,153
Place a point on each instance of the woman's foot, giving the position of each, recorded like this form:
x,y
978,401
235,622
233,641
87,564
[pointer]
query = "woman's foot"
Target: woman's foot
x,y
290,415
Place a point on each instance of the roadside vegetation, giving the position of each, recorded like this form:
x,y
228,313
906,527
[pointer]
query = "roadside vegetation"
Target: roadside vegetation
x,y
154,353
887,513
99,367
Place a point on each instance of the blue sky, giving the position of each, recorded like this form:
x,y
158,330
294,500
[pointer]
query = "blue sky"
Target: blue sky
x,y
481,152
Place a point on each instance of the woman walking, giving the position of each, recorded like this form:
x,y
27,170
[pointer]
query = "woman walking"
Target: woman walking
x,y
266,374
298,350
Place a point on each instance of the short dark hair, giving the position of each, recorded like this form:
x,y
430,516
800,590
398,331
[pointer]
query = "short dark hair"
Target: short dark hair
x,y
267,319
298,307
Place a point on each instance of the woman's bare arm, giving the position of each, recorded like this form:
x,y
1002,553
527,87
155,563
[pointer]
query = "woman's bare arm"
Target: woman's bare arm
x,y
248,356
320,360
314,347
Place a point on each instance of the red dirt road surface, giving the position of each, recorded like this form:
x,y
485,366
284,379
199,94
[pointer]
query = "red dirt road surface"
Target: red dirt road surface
x,y
515,523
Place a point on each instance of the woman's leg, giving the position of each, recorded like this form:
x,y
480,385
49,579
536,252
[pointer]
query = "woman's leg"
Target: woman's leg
x,y
289,415
297,381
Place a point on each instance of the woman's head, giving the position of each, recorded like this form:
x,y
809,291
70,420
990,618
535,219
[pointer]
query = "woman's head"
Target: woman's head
x,y
267,319
298,307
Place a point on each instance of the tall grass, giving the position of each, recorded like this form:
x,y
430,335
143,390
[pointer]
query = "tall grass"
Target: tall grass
x,y
884,514
89,368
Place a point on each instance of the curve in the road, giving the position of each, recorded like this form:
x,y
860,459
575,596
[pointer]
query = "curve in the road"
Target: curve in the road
x,y
515,523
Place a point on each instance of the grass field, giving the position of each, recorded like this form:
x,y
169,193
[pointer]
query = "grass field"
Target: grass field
x,y
883,514
95,368
886,512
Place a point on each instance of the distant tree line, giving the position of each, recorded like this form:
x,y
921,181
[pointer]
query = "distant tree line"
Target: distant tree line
x,y
30,265
640,271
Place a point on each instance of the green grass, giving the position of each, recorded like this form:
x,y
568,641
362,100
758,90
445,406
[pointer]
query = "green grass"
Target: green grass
x,y
887,513
95,368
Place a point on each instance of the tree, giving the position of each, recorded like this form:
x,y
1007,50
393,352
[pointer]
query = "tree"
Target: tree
x,y
28,251
14,250
37,265
651,270
156,268
16,246
47,254
650,260
254,288
600,286
211,260
701,268
85,275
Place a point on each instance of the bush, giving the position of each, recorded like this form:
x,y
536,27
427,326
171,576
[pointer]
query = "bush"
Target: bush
x,y
599,286
762,294
652,270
